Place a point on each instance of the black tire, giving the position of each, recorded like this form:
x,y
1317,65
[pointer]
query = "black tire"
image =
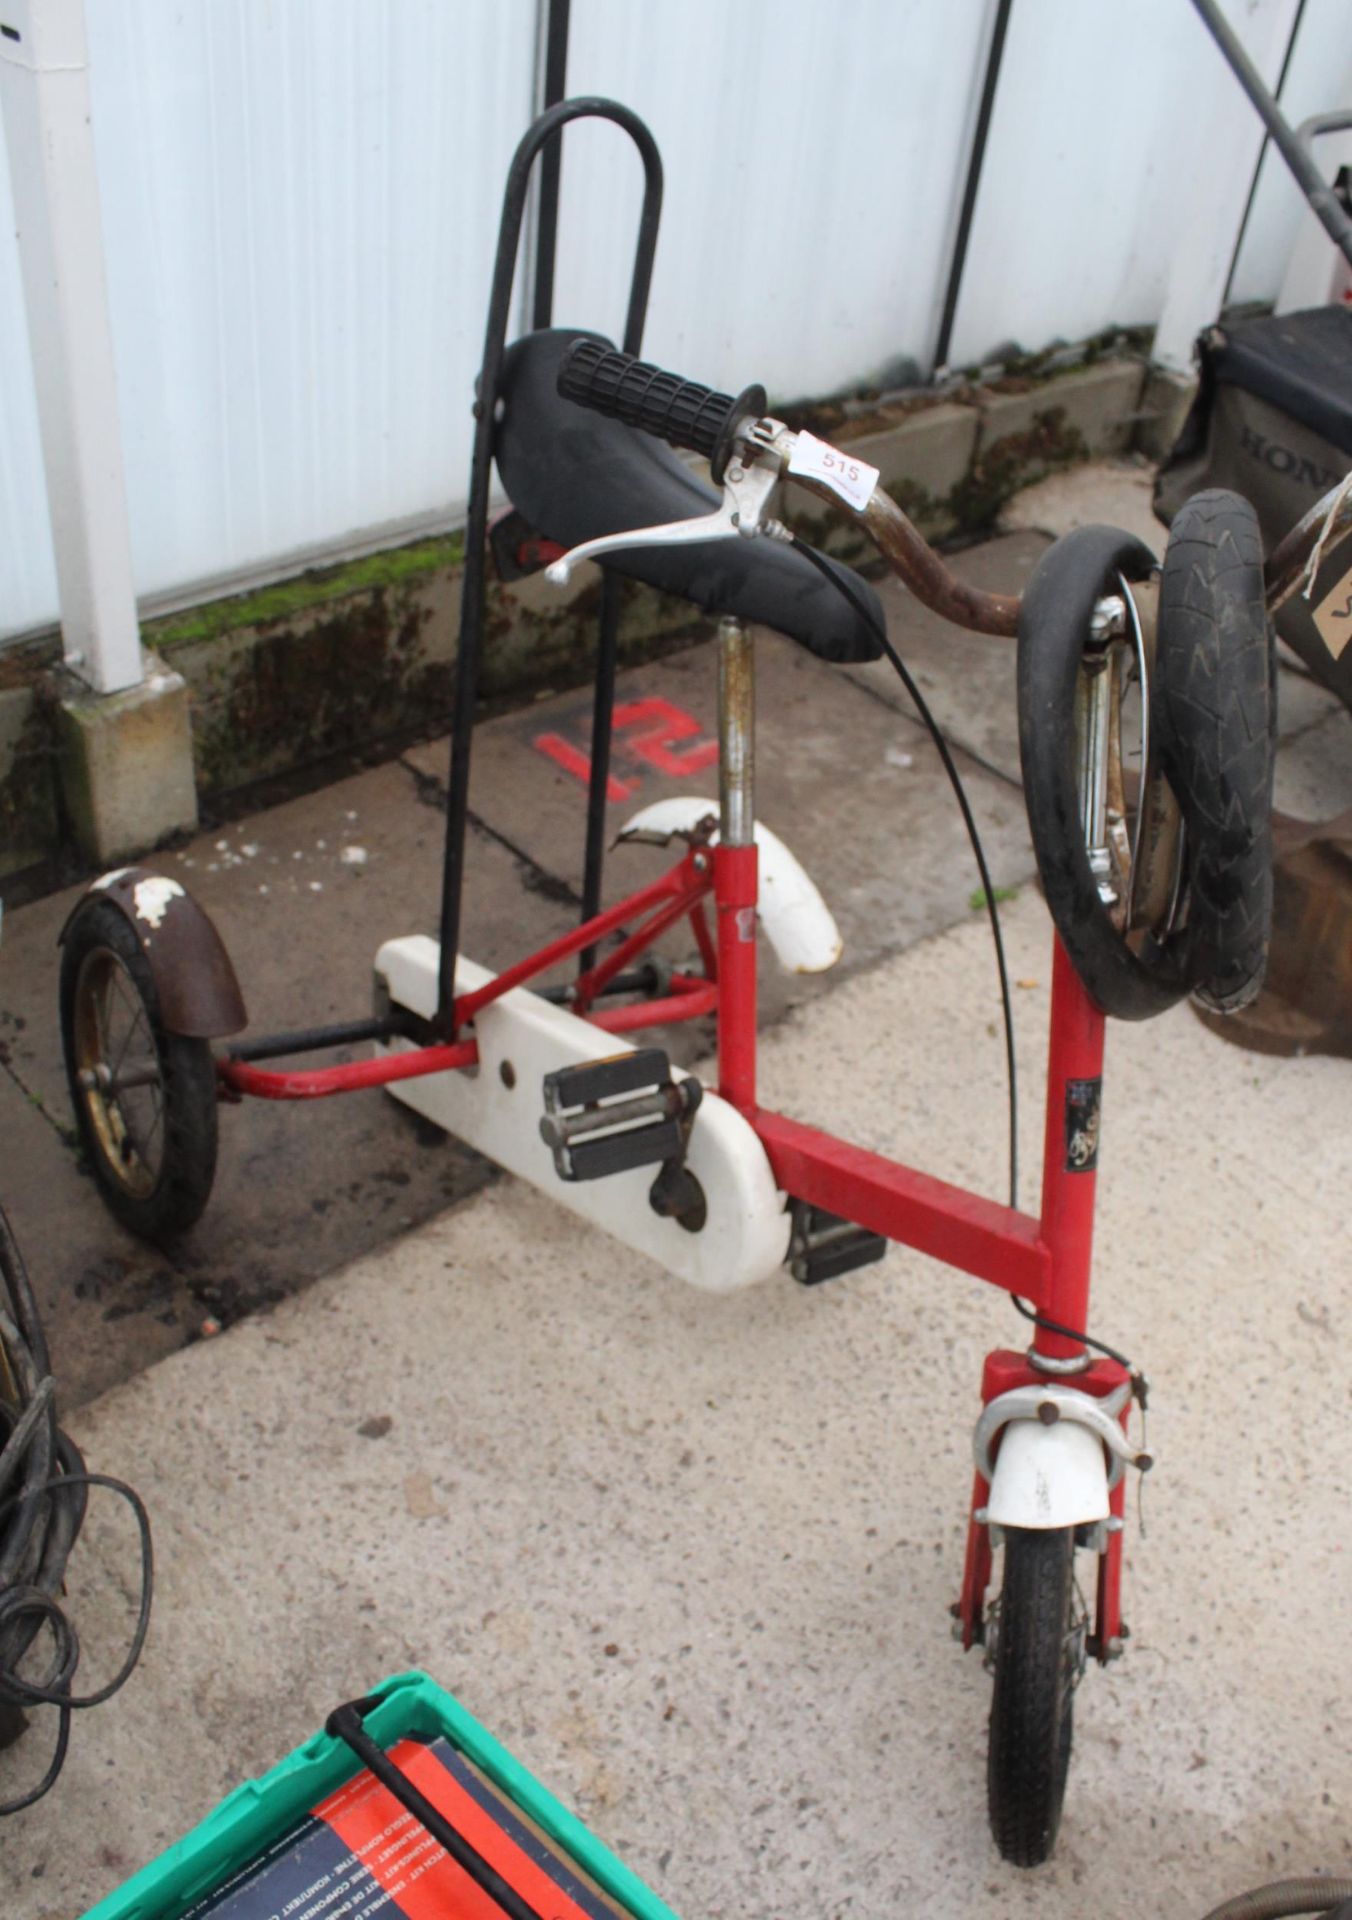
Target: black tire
x,y
1132,981
152,1147
1037,1660
1214,709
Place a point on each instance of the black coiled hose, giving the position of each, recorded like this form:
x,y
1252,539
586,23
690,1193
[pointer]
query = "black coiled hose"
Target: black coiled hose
x,y
1313,1895
44,1489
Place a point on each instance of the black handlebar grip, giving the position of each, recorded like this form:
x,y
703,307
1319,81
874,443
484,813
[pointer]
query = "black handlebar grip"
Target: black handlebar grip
x,y
681,412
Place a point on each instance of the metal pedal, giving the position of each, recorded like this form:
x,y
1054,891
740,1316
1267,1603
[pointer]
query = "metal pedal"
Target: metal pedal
x,y
607,1116
822,1245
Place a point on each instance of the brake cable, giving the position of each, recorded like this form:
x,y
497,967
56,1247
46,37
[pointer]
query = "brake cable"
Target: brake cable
x,y
1139,1384
921,705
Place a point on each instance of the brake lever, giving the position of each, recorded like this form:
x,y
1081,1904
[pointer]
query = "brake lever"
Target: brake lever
x,y
747,487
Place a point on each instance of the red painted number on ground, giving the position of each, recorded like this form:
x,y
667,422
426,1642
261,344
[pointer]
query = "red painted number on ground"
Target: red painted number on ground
x,y
648,731
572,759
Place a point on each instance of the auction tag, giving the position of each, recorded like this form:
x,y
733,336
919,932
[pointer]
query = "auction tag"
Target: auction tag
x,y
1332,617
854,480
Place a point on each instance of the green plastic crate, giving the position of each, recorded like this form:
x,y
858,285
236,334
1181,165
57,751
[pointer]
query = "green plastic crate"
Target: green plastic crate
x,y
263,1810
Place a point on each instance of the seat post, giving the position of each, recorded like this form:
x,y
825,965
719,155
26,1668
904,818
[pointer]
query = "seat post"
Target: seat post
x,y
735,866
736,734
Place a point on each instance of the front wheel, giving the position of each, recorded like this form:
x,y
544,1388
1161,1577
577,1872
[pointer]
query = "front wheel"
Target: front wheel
x,y
144,1098
1103,821
1038,1654
1215,702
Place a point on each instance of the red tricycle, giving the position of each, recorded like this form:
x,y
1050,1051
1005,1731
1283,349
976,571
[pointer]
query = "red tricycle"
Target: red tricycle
x,y
1146,738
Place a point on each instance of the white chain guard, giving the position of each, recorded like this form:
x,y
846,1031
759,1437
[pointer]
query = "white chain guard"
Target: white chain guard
x,y
746,1235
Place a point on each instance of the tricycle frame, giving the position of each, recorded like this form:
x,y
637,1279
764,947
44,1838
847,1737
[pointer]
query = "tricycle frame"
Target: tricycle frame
x,y
1050,1446
1045,1258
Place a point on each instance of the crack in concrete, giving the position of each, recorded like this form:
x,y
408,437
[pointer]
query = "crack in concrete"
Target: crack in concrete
x,y
431,791
951,740
66,1134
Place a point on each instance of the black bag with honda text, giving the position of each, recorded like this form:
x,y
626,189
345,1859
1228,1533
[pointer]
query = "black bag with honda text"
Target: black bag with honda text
x,y
1273,420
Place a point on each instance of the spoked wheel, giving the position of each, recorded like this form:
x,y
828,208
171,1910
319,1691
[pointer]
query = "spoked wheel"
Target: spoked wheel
x,y
144,1098
1036,1641
1104,821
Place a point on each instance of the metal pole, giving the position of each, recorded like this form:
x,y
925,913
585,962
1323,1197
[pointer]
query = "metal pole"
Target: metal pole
x,y
1312,183
608,618
1291,39
473,588
551,165
735,866
44,93
973,182
736,735
1211,197
1070,1155
598,780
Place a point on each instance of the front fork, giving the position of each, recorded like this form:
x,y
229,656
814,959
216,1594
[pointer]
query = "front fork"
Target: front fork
x,y
1069,1173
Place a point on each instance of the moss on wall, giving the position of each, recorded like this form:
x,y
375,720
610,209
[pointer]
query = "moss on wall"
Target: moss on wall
x,y
287,600
1014,460
281,681
358,657
29,808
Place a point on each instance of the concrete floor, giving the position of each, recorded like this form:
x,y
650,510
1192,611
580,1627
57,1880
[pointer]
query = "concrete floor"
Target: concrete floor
x,y
691,1558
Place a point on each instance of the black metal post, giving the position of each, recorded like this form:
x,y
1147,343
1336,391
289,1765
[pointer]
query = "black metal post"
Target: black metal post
x,y
472,598
345,1033
607,653
975,162
1262,155
598,780
1321,196
551,165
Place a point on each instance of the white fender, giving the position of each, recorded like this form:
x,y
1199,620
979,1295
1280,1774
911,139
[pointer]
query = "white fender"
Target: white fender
x,y
797,921
1052,1476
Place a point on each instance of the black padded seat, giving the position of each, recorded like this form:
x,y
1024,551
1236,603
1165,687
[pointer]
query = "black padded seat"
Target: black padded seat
x,y
574,475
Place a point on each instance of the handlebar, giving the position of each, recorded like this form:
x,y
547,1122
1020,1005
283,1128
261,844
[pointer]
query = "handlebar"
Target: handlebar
x,y
687,414
681,412
1296,558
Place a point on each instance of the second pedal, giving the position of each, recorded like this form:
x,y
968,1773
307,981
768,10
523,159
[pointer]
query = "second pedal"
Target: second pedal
x,y
823,1246
609,1115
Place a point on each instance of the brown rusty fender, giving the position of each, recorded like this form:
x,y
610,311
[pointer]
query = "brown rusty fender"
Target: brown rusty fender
x,y
195,982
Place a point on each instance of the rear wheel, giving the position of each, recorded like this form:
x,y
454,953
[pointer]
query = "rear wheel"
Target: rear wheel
x,y
1036,1638
144,1098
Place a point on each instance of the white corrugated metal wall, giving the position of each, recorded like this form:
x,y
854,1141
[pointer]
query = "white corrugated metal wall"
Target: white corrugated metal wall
x,y
813,166
27,570
1099,123
299,218
300,199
